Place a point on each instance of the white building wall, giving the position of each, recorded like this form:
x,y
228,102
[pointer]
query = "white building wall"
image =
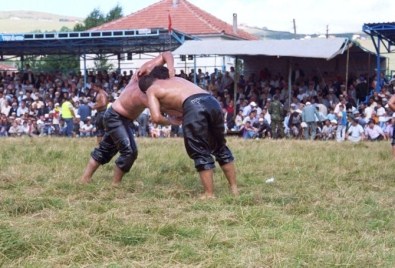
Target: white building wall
x,y
206,63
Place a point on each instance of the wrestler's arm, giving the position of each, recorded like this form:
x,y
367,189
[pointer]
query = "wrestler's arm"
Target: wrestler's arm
x,y
154,106
162,59
100,102
391,103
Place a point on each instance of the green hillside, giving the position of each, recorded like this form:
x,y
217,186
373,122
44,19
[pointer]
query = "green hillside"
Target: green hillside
x,y
30,21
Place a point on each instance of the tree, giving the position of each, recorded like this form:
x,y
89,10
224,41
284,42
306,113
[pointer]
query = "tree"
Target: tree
x,y
65,29
94,19
97,18
101,63
114,13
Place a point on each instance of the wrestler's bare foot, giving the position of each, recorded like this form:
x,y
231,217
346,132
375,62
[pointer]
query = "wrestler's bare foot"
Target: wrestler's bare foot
x,y
234,190
84,180
116,184
207,196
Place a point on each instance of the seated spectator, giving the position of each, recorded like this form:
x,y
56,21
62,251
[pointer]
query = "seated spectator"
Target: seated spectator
x,y
263,128
355,132
238,121
248,131
3,126
295,119
77,124
15,129
373,132
87,129
328,131
154,130
48,129
25,129
166,130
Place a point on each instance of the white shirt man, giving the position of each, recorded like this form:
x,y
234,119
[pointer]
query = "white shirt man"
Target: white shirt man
x,y
355,132
374,132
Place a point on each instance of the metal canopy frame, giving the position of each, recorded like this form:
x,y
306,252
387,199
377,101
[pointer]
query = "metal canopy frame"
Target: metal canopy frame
x,y
90,42
95,42
381,34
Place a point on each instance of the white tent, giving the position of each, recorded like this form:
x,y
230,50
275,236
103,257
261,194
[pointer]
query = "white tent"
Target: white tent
x,y
308,48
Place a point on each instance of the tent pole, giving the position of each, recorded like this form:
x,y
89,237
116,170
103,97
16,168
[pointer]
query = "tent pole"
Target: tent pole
x,y
194,70
85,71
347,63
378,72
289,84
235,82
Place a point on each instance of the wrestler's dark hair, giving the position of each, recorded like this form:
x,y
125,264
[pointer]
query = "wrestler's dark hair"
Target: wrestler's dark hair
x,y
145,82
159,72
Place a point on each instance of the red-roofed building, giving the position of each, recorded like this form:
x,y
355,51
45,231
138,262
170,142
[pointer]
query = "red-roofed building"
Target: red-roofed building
x,y
182,16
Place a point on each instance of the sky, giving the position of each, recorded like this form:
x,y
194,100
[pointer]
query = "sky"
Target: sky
x,y
311,16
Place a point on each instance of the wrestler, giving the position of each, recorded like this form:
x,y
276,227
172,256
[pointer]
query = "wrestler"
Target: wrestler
x,y
118,136
202,122
101,101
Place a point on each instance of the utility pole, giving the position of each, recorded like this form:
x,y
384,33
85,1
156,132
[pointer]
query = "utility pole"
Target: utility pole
x,y
294,22
327,31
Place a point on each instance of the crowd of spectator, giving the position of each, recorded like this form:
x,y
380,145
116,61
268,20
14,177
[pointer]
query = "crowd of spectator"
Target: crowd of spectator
x,y
31,103
262,107
315,108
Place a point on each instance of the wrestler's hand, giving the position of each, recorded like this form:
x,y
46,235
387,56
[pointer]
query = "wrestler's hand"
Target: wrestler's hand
x,y
172,72
174,120
135,76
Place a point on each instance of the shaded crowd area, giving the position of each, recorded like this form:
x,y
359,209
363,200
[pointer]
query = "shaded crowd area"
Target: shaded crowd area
x,y
262,107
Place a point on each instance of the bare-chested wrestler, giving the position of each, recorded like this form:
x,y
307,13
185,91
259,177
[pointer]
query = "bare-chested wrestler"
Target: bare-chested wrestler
x,y
391,104
101,101
202,122
119,136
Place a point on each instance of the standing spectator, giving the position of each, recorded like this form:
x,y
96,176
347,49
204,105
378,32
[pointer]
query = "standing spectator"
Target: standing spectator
x,y
68,115
276,111
84,111
342,124
143,121
309,117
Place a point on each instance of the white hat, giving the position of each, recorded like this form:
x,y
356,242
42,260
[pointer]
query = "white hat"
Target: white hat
x,y
253,103
261,119
334,121
308,103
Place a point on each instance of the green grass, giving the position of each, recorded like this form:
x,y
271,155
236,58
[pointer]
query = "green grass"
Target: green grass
x,y
330,205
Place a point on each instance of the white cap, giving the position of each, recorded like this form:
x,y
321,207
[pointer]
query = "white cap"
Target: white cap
x,y
253,103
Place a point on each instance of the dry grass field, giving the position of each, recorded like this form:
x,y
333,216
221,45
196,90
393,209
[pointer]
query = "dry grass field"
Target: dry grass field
x,y
330,205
